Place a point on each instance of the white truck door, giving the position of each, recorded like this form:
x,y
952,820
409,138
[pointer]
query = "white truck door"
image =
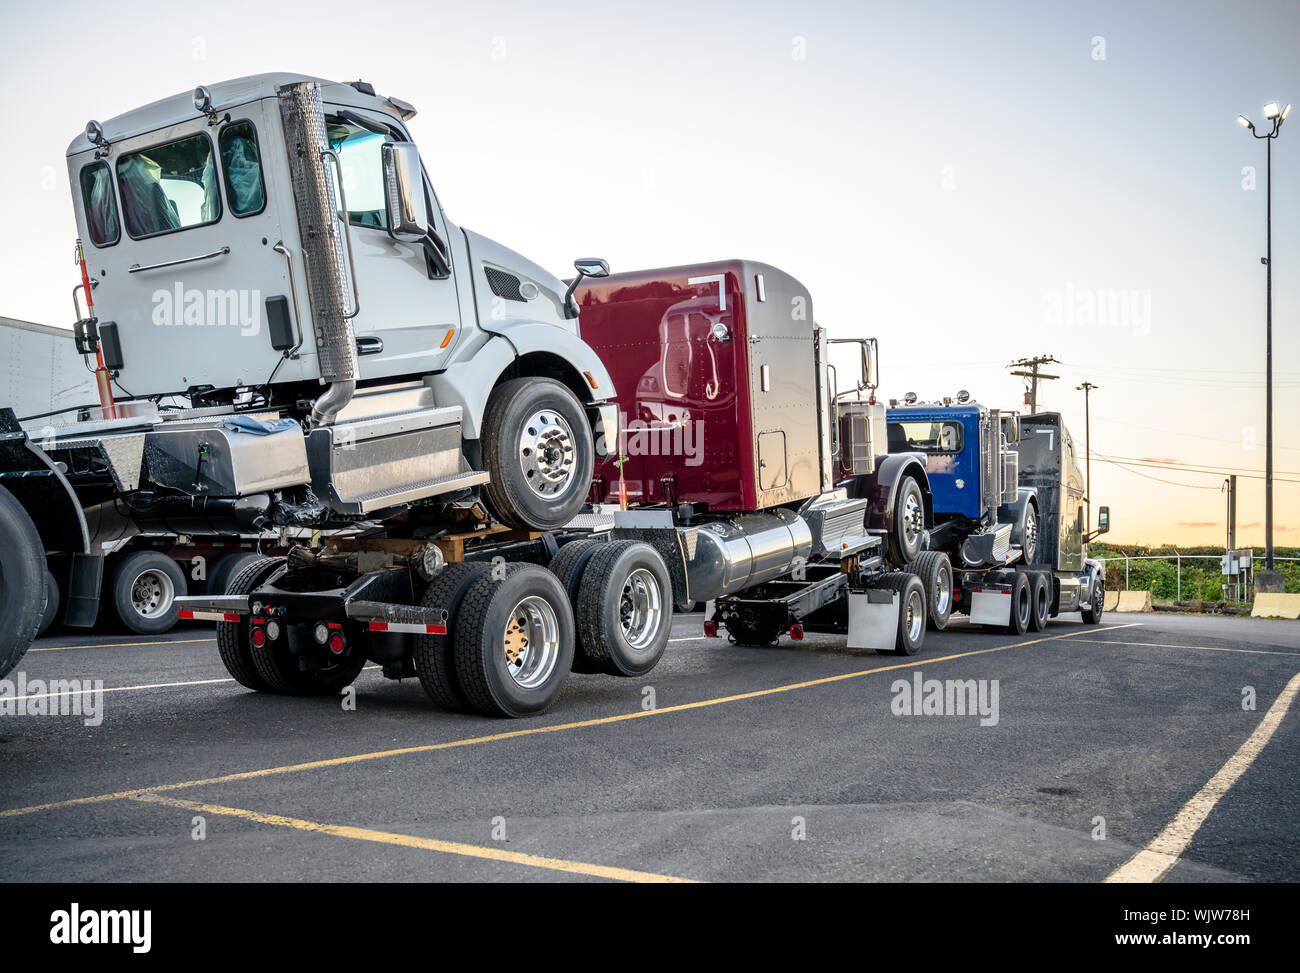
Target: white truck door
x,y
408,322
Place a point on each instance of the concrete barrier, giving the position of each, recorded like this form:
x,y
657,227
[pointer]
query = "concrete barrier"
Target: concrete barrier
x,y
1111,601
1134,601
1276,606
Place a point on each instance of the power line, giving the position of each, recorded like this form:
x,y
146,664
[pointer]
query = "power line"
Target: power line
x,y
1127,469
1185,468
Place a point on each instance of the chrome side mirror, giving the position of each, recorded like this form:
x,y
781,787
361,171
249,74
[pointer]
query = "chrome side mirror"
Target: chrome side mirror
x,y
591,267
404,188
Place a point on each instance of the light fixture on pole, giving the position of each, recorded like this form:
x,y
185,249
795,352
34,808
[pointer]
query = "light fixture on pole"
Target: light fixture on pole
x,y
1277,117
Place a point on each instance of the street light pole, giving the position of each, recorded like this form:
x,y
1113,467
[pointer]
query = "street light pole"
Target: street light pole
x,y
1277,118
1087,388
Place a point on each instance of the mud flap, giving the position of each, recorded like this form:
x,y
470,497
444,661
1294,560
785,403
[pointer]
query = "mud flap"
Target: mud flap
x,y
873,619
990,607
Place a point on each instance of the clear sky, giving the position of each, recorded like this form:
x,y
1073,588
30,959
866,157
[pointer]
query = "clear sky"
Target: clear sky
x,y
970,182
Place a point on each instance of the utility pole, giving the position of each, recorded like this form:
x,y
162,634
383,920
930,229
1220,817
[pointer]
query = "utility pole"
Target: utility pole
x,y
1231,484
1034,375
1086,388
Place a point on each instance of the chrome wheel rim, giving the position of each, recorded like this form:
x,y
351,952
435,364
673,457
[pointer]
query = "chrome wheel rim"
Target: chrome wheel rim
x,y
915,620
531,642
640,608
152,593
913,518
546,453
943,597
1030,543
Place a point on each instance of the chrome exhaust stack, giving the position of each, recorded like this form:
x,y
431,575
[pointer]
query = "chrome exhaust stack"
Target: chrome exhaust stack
x,y
326,243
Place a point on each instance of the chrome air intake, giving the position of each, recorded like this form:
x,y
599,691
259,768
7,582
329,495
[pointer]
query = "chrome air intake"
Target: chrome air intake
x,y
322,235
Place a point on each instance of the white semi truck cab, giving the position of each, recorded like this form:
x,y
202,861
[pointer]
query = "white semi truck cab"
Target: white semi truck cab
x,y
296,336
273,243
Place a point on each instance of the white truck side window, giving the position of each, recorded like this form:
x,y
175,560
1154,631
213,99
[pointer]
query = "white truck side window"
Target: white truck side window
x,y
358,150
169,187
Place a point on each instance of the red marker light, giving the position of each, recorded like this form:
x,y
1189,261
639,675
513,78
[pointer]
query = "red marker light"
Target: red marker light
x,y
711,628
336,643
259,638
796,632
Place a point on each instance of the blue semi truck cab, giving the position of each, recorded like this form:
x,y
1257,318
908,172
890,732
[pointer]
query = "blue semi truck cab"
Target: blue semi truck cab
x,y
1008,545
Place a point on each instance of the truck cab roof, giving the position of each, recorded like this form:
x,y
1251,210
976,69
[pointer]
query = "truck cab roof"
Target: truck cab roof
x,y
228,95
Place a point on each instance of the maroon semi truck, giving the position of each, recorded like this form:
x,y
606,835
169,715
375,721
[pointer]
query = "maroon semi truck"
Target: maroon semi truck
x,y
766,489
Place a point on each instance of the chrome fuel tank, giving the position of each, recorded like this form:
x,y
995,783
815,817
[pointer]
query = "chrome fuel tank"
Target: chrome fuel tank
x,y
738,553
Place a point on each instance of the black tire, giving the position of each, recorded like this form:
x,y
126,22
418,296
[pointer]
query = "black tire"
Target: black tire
x,y
1097,601
480,646
520,465
143,591
624,608
568,566
907,524
1022,604
232,637
935,571
749,629
1025,532
226,567
22,581
912,613
53,602
435,662
1040,593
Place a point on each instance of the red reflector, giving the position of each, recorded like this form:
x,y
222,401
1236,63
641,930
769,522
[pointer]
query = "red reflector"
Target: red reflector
x,y
231,616
977,591
376,626
185,614
796,632
336,643
956,594
259,621
436,629
711,628
259,637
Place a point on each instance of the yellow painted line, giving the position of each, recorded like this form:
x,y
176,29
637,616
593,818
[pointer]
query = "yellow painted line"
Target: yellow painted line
x,y
530,731
1154,861
412,841
1203,648
116,645
130,689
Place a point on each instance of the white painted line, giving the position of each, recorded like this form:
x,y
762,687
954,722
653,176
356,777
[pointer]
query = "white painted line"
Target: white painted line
x,y
1154,861
132,689
1205,648
116,645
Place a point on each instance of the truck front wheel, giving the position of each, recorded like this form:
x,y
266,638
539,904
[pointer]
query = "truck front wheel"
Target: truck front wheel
x,y
907,526
22,581
538,451
1096,602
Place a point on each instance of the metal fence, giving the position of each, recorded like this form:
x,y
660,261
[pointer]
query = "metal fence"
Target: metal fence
x,y
1178,560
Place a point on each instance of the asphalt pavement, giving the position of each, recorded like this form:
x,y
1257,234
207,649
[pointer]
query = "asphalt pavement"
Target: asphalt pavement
x,y
1084,746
